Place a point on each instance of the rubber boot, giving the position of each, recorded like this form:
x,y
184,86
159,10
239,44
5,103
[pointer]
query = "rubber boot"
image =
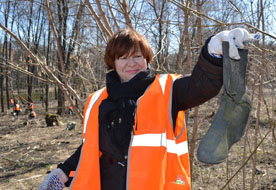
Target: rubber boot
x,y
231,118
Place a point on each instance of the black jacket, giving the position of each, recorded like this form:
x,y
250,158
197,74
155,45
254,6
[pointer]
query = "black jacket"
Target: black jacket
x,y
204,83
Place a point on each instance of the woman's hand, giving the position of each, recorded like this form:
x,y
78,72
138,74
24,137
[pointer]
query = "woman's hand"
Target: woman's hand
x,y
54,180
236,37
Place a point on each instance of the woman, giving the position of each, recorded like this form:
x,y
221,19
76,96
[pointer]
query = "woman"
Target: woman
x,y
134,133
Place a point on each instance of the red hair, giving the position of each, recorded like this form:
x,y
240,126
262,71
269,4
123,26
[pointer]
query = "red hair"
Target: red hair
x,y
122,43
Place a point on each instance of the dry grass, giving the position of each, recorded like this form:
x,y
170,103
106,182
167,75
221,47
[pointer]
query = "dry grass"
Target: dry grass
x,y
28,152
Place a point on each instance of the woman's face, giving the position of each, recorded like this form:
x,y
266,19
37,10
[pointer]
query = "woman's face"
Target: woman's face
x,y
130,65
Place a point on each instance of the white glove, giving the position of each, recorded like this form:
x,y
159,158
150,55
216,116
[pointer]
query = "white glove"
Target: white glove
x,y
54,180
236,37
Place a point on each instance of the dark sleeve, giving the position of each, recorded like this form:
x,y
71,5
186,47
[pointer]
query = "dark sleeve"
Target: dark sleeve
x,y
203,84
70,165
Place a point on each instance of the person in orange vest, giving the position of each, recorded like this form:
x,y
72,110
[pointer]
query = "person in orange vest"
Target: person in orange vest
x,y
70,110
32,114
16,108
30,106
134,131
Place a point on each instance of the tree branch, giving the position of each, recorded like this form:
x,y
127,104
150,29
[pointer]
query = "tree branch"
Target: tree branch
x,y
93,12
198,14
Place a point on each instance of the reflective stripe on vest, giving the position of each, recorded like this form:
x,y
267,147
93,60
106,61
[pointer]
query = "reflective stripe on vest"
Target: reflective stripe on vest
x,y
158,156
160,140
92,101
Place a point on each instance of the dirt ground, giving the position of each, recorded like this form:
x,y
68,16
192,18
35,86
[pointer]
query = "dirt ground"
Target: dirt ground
x,y
29,152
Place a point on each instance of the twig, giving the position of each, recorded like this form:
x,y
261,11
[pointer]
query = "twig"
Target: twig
x,y
199,14
93,12
16,68
113,16
104,17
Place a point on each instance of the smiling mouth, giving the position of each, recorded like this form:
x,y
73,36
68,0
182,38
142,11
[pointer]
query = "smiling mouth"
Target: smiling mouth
x,y
132,71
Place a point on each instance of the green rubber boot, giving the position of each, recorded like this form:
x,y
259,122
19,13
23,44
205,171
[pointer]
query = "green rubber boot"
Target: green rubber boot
x,y
231,118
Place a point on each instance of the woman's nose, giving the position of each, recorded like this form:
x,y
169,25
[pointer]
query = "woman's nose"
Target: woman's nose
x,y
131,61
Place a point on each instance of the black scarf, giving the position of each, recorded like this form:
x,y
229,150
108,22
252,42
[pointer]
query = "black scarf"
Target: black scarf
x,y
116,113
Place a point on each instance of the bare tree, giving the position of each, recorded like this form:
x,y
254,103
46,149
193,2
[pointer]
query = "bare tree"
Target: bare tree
x,y
66,52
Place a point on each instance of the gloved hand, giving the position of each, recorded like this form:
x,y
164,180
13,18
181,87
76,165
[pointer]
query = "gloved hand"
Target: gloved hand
x,y
236,37
54,180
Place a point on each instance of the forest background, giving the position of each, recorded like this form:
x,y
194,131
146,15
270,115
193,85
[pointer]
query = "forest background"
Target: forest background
x,y
51,52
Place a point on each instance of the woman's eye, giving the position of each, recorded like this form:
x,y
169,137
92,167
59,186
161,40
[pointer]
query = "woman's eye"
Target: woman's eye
x,y
123,58
139,55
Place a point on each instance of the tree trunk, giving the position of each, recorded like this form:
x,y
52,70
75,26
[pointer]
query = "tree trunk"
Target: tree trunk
x,y
11,53
46,100
61,102
62,7
47,52
2,79
29,78
196,109
5,55
180,54
260,97
2,90
30,83
188,46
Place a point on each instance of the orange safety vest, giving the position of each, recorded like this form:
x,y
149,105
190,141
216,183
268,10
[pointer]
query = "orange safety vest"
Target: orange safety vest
x,y
31,105
158,156
17,107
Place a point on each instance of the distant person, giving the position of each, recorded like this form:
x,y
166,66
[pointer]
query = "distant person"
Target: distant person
x,y
30,106
135,135
16,108
70,110
32,114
